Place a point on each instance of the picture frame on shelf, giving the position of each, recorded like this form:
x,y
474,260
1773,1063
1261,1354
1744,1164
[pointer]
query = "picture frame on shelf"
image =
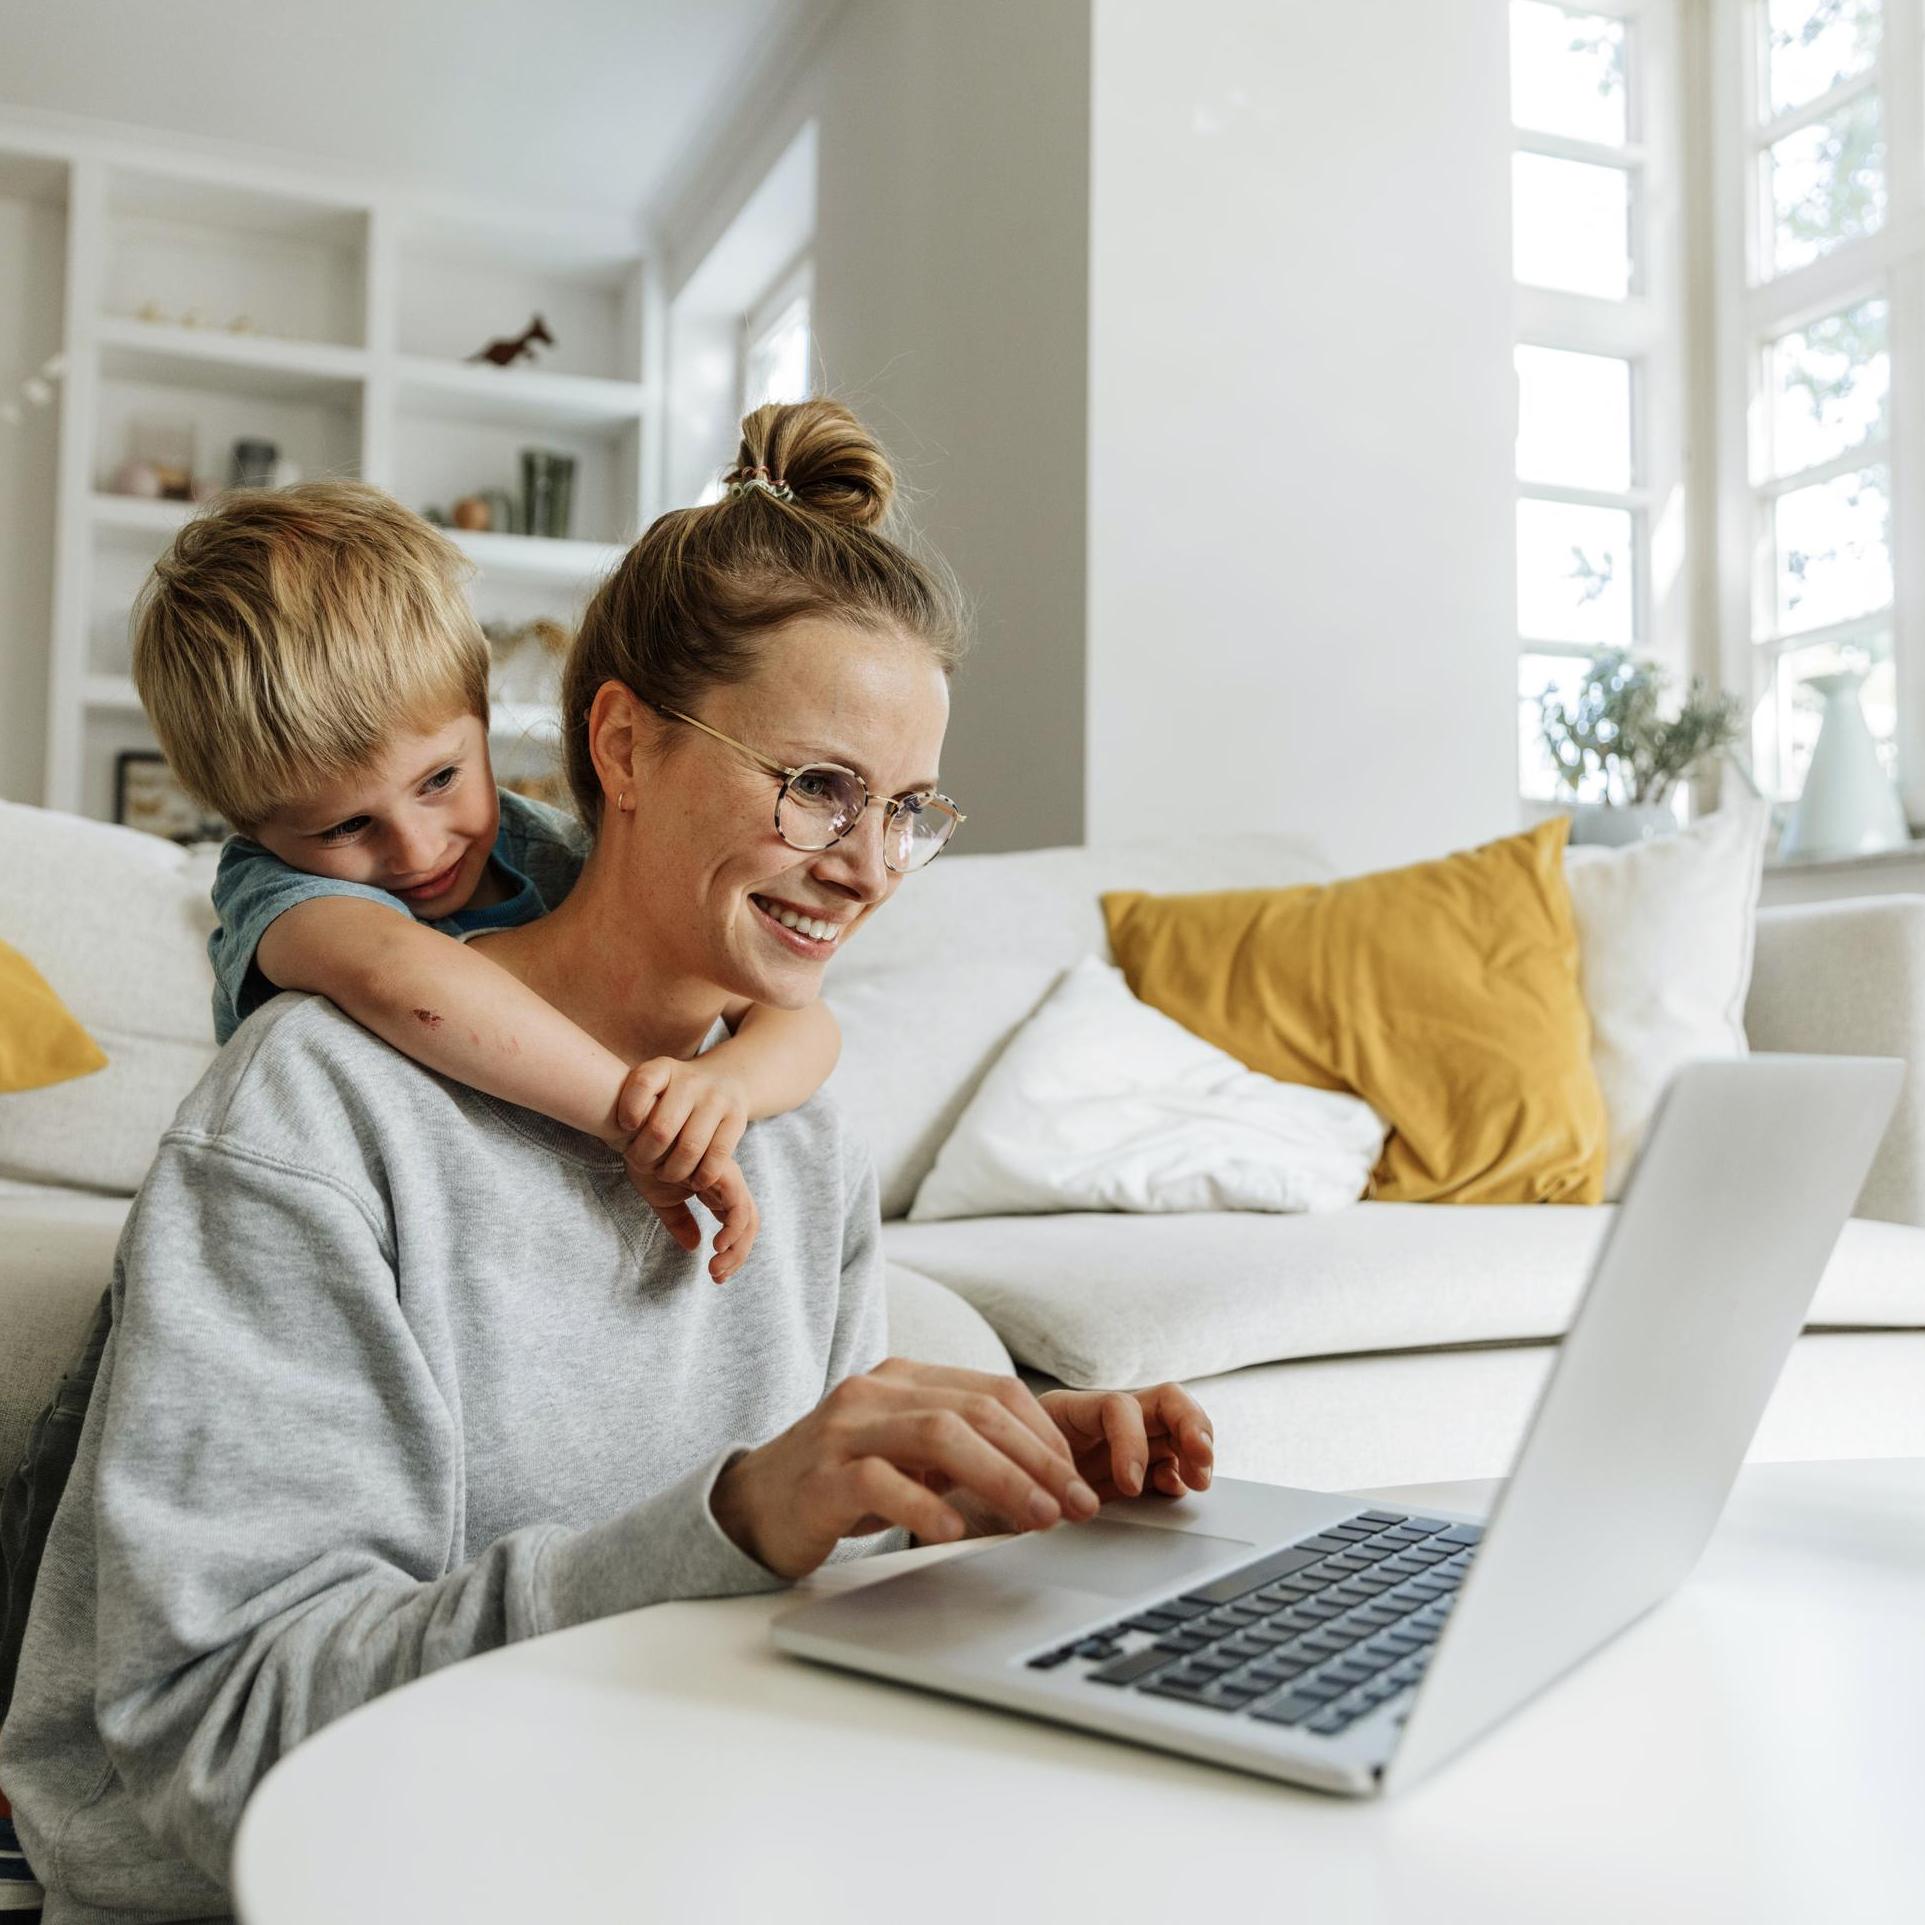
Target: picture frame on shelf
x,y
148,798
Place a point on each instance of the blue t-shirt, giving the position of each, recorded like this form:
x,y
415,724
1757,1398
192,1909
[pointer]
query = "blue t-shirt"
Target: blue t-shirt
x,y
538,851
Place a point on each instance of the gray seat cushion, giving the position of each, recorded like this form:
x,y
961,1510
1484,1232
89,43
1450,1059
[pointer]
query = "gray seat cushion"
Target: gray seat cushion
x,y
935,1326
54,1264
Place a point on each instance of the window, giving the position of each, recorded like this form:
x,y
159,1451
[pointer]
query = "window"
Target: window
x,y
1598,359
775,341
1825,291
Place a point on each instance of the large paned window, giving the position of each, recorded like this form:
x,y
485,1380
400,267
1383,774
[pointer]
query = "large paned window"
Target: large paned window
x,y
1594,231
1822,144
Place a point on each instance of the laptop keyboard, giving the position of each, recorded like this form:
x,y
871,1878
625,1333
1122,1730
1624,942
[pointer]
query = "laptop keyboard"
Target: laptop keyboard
x,y
1315,1635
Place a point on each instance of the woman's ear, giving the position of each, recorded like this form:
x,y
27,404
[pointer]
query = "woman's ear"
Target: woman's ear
x,y
618,727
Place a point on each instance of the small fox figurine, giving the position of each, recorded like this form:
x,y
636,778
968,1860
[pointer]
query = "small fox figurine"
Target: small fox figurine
x,y
505,352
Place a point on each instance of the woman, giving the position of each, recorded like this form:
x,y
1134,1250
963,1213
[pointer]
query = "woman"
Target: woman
x,y
400,1373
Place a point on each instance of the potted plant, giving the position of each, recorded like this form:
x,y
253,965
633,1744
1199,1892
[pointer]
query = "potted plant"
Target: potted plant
x,y
1617,731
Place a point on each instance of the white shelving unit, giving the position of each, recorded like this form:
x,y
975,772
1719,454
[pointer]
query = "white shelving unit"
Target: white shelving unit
x,y
361,306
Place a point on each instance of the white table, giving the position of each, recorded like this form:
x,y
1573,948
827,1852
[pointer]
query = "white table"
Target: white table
x,y
1752,1751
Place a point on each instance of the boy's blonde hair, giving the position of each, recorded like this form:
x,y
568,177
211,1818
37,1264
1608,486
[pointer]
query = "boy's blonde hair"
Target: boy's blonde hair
x,y
287,634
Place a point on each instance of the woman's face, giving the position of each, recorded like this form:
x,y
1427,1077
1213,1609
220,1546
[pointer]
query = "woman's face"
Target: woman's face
x,y
711,875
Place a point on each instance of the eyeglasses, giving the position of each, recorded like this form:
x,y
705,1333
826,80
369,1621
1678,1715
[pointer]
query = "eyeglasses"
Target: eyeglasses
x,y
819,803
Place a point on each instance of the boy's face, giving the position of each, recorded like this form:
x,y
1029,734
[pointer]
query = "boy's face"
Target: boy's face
x,y
419,821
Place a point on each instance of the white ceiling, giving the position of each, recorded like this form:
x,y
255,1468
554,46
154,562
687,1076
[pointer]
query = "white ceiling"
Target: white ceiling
x,y
595,103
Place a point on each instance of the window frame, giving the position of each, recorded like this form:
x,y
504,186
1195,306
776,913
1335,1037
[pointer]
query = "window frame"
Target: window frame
x,y
1646,329
1756,307
795,282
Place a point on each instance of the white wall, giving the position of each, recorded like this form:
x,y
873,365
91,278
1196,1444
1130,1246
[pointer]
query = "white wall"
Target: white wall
x,y
1196,327
951,256
1301,593
32,275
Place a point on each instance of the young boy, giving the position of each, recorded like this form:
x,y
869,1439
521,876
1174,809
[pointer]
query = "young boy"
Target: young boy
x,y
310,664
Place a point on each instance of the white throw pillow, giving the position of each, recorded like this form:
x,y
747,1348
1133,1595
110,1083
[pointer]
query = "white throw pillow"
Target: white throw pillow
x,y
1666,931
1102,1103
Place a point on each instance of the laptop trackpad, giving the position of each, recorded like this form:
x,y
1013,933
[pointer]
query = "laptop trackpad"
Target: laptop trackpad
x,y
1115,1560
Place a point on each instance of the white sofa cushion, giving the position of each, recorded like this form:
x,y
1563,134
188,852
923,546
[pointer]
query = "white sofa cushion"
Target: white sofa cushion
x,y
117,922
1102,1103
1348,1423
1101,1300
1666,931
930,990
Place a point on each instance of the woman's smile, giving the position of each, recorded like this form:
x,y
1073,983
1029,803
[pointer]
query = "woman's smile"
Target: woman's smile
x,y
806,934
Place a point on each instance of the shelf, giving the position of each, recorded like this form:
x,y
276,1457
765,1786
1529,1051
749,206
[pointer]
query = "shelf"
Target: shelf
x,y
111,694
249,364
142,515
1910,852
507,721
365,303
519,397
538,558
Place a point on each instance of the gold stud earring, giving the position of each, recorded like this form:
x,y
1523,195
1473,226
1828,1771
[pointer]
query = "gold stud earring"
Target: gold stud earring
x,y
625,803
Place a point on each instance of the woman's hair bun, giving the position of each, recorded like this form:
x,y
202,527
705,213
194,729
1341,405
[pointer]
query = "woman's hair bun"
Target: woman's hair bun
x,y
826,458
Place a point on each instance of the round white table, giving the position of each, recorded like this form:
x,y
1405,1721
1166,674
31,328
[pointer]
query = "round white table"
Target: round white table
x,y
1752,1751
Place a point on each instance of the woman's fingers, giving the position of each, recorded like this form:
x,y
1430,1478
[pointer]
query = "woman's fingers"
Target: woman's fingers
x,y
1015,1396
974,1442
1128,1437
880,1491
1171,1409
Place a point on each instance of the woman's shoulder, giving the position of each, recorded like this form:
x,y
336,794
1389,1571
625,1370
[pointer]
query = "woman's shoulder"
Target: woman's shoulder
x,y
819,1136
301,1080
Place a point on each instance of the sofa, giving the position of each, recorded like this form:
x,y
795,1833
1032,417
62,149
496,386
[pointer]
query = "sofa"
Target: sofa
x,y
1377,1344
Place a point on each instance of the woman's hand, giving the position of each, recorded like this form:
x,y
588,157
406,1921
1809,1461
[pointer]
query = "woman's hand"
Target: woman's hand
x,y
1125,1442
883,1448
681,1125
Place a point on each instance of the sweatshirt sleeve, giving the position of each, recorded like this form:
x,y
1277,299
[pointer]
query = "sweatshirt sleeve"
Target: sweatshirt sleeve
x,y
291,1552
861,1338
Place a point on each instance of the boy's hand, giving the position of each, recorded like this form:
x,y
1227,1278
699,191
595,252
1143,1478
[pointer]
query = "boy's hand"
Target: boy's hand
x,y
682,1125
727,1198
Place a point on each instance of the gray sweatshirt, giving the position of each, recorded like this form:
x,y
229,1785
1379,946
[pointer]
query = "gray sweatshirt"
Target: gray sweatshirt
x,y
398,1374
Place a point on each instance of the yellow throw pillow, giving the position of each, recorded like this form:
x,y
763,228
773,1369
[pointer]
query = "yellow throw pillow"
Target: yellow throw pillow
x,y
40,1043
1446,995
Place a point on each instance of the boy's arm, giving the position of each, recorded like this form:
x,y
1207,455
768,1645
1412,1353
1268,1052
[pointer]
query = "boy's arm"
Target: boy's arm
x,y
446,1006
777,1058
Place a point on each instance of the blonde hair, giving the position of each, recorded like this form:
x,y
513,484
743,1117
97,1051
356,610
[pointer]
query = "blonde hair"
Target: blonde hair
x,y
805,530
286,635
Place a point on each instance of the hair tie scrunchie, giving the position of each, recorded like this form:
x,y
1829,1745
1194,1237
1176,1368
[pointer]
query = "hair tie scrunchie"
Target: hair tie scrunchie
x,y
760,478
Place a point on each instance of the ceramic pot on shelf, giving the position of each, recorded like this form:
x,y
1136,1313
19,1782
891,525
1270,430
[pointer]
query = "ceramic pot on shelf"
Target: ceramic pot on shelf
x,y
1850,806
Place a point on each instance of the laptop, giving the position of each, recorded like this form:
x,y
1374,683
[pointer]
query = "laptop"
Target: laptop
x,y
1355,1647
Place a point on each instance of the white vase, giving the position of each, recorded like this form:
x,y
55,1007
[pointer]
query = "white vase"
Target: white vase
x,y
1612,825
1849,806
